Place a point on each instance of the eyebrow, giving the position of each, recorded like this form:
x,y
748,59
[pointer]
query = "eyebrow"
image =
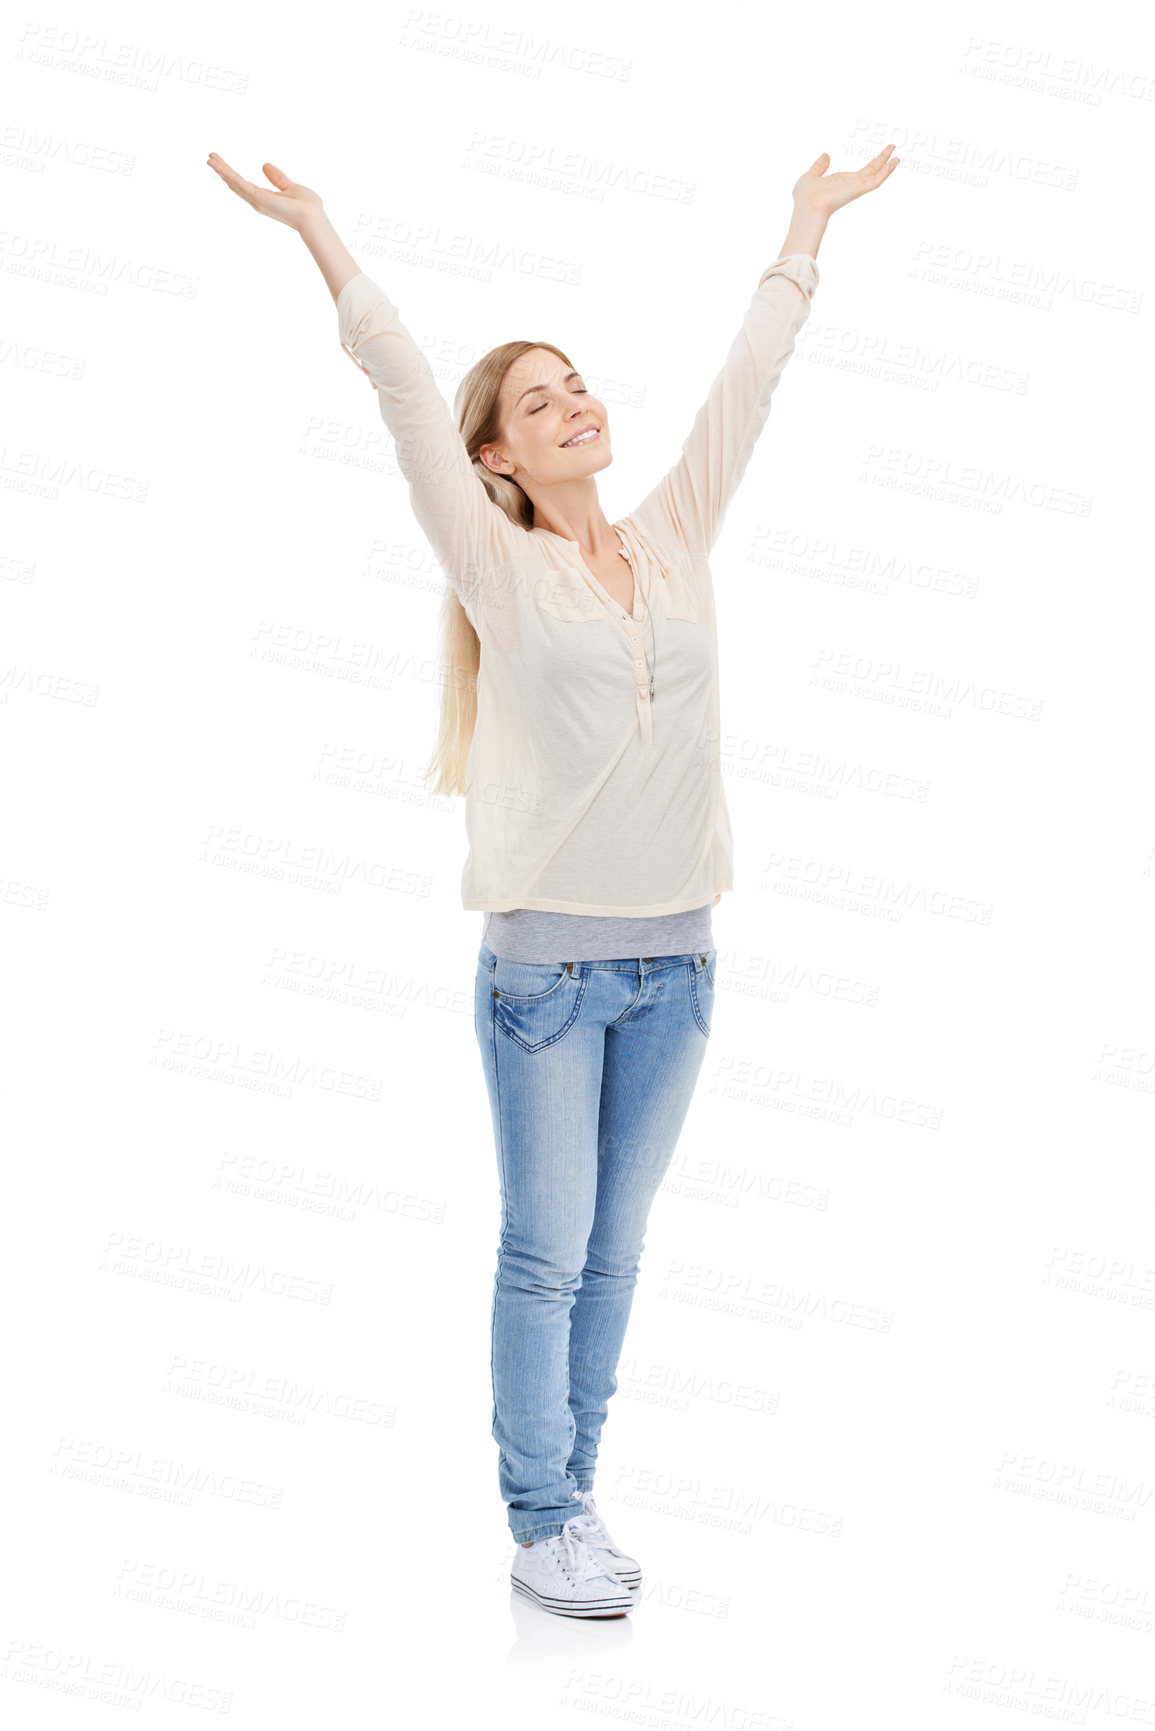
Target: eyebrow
x,y
574,375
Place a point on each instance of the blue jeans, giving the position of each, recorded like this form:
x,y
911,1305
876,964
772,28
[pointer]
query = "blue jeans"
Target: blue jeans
x,y
590,1067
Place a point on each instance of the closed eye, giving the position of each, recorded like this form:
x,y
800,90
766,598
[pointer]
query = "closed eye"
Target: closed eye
x,y
582,392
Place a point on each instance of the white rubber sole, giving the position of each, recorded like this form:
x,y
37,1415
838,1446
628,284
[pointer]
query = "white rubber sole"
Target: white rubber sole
x,y
612,1605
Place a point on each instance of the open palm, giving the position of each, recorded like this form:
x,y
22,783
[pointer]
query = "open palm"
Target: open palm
x,y
825,193
290,203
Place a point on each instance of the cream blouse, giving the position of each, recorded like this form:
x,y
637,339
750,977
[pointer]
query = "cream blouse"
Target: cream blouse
x,y
594,777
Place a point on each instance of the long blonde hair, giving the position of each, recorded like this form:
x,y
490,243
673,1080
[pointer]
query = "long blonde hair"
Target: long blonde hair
x,y
478,411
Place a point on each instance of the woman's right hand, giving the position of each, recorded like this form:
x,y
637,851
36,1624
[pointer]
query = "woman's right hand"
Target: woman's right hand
x,y
290,203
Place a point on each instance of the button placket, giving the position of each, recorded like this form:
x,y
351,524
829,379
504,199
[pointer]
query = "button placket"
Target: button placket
x,y
644,679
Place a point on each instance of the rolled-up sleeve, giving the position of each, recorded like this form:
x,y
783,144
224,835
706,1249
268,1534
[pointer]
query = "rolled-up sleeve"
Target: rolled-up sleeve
x,y
691,499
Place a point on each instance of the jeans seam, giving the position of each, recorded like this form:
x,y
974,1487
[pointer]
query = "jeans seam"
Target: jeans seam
x,y
504,1193
629,1007
694,1001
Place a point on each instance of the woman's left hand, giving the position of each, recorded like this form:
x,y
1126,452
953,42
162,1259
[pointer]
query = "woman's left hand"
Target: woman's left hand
x,y
825,193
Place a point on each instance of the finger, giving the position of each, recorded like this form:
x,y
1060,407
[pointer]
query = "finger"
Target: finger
x,y
259,197
871,181
876,163
230,176
820,164
876,172
278,177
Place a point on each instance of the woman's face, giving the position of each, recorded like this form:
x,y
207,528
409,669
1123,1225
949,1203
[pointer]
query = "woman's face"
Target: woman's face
x,y
544,408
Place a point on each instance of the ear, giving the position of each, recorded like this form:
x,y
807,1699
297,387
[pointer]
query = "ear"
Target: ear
x,y
494,461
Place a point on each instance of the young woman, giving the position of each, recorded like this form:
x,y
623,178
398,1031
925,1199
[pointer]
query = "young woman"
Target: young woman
x,y
580,718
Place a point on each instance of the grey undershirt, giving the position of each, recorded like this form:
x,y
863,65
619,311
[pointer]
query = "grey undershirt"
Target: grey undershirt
x,y
529,935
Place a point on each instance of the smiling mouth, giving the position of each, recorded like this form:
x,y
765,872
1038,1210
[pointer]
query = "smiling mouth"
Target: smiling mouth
x,y
585,437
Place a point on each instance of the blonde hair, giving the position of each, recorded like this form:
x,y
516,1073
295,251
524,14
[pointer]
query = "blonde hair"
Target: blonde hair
x,y
477,406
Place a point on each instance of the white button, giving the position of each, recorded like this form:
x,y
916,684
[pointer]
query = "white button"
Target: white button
x,y
634,638
638,664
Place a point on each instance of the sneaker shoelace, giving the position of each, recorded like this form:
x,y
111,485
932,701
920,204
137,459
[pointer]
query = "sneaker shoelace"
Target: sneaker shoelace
x,y
586,1529
579,1558
590,1526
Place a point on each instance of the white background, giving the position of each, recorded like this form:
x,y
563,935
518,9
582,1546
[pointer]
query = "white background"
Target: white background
x,y
883,1441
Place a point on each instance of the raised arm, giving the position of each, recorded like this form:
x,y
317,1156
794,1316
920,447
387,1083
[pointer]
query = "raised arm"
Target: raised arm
x,y
691,498
461,522
466,530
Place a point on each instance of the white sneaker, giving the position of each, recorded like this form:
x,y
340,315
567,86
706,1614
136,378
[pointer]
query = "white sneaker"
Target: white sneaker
x,y
611,1556
563,1574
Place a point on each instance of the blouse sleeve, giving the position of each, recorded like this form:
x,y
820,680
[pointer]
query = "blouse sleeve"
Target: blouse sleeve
x,y
464,527
690,501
